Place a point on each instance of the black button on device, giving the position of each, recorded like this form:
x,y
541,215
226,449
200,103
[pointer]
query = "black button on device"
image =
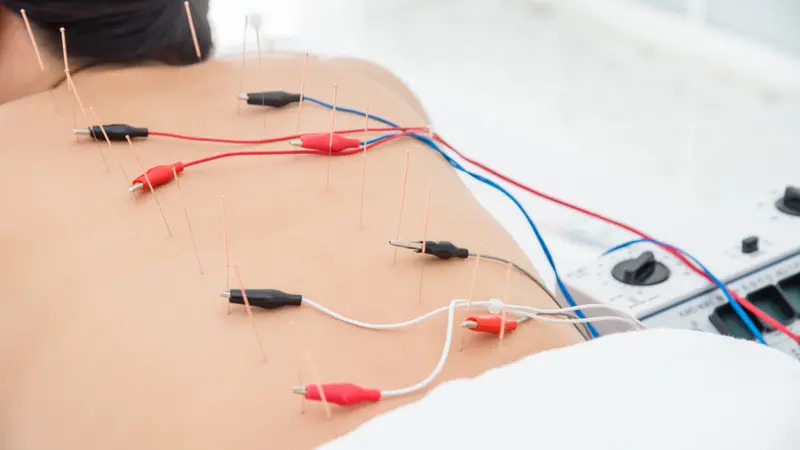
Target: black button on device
x,y
750,244
791,290
771,300
727,322
644,270
790,202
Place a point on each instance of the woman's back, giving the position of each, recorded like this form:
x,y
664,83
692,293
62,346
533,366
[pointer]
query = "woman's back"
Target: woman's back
x,y
113,339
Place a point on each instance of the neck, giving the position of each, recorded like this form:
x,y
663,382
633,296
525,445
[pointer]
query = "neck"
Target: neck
x,y
19,67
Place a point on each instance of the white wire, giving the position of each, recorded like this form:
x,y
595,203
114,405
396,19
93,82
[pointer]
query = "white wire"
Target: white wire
x,y
623,313
625,317
445,351
536,316
516,309
525,311
389,326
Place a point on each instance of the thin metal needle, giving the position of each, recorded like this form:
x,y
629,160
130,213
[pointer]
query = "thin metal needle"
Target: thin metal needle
x,y
110,148
302,94
471,293
507,300
363,170
225,243
188,221
321,391
249,312
402,201
194,33
66,71
424,239
33,39
330,138
150,185
244,57
85,117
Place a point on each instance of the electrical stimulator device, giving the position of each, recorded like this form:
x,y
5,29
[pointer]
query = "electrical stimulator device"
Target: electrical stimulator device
x,y
762,266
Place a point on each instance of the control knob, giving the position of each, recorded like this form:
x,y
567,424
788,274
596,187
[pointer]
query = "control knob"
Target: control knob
x,y
790,202
643,270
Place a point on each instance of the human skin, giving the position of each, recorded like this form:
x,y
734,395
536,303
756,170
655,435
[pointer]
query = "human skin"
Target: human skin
x,y
111,338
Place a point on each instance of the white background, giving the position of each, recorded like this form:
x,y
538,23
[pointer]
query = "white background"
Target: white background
x,y
665,125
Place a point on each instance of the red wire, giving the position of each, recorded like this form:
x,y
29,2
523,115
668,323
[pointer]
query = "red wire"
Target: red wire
x,y
406,131
745,303
251,153
352,151
262,141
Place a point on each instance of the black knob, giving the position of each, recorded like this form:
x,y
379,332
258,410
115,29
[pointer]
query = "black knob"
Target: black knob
x,y
750,244
790,202
641,271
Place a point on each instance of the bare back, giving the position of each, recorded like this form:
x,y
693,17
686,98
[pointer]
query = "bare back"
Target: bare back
x,y
111,338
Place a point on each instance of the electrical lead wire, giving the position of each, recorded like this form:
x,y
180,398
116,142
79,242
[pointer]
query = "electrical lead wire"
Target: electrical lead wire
x,y
456,165
454,304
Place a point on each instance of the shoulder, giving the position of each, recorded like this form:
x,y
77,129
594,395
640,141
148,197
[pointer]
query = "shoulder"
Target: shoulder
x,y
385,78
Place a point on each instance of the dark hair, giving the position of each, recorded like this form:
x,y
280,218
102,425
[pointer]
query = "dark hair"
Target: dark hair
x,y
120,31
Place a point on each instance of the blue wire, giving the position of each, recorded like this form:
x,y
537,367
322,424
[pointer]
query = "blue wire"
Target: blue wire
x,y
378,118
379,138
736,306
486,181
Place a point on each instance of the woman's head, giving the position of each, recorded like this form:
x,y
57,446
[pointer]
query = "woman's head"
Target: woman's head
x,y
98,32
103,31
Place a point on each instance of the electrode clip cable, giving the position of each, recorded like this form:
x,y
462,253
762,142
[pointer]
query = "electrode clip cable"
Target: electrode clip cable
x,y
350,394
95,131
162,174
738,300
447,250
117,132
